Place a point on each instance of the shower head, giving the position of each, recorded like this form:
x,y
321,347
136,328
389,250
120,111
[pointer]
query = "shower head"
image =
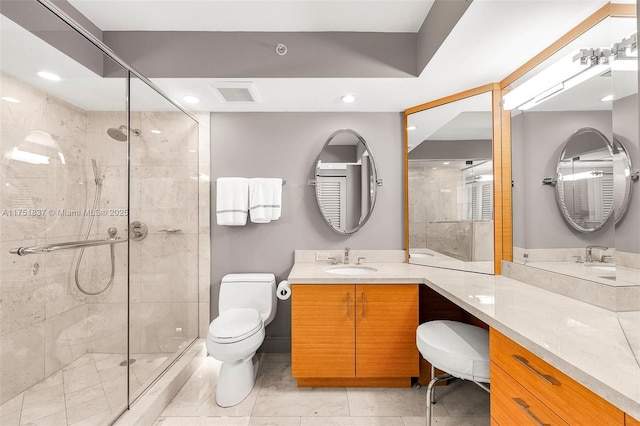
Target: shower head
x,y
120,134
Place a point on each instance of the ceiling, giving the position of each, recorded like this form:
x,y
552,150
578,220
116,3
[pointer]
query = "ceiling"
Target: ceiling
x,y
492,39
252,15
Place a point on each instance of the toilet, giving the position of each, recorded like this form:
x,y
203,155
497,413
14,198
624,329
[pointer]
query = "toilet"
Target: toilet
x,y
246,304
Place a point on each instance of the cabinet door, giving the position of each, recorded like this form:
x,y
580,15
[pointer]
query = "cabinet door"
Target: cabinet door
x,y
322,330
386,322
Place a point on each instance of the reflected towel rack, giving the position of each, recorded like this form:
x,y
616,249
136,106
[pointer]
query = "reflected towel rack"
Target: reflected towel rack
x,y
47,248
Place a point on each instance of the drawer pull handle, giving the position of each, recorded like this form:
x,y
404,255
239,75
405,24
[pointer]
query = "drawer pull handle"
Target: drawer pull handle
x,y
549,379
348,313
520,403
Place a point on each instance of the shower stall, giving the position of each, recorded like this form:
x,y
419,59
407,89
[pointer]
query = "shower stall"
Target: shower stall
x,y
98,225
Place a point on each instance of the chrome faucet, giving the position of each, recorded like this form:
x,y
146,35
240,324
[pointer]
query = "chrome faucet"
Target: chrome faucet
x,y
346,255
588,252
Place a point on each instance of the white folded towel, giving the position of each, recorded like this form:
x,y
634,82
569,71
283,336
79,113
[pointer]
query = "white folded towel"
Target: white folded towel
x,y
232,201
265,199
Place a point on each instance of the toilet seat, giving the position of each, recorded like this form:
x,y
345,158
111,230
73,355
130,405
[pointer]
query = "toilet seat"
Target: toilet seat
x,y
234,325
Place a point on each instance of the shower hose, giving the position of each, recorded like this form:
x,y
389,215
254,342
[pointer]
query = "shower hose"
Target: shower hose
x,y
112,232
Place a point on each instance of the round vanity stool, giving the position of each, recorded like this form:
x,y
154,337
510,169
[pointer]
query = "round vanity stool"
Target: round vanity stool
x,y
460,350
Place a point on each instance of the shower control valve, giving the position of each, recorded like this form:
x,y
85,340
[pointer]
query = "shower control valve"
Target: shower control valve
x,y
138,231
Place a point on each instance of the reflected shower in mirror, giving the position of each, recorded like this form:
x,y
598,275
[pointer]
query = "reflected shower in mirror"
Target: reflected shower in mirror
x,y
450,189
579,106
346,181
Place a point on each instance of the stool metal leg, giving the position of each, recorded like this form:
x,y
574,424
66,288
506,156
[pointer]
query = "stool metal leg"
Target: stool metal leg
x,y
431,395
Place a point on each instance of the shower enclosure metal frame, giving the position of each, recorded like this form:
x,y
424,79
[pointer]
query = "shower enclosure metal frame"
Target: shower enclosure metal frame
x,y
112,239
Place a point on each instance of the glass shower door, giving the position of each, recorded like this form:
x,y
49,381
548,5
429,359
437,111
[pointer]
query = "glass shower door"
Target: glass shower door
x,y
63,184
163,234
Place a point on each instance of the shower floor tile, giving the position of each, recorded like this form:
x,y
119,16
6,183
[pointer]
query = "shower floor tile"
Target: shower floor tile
x,y
276,400
89,391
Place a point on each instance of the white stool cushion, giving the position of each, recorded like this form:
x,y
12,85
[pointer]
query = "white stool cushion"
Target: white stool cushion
x,y
459,349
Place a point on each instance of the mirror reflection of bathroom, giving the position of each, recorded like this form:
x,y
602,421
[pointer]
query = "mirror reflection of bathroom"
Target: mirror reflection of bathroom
x,y
451,185
589,84
345,177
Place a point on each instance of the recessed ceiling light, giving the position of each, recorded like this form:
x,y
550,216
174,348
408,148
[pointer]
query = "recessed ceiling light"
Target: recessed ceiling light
x,y
191,99
411,128
607,98
48,75
10,99
347,99
156,131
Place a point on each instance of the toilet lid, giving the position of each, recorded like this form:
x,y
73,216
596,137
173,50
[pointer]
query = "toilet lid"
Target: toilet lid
x,y
234,325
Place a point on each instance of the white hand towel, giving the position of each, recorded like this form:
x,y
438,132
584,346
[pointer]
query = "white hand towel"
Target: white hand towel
x,y
232,201
265,199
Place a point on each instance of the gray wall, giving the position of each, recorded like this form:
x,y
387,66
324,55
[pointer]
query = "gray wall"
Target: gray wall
x,y
453,150
625,125
286,145
538,139
442,17
192,54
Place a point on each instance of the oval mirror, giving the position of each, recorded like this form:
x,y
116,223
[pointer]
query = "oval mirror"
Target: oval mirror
x,y
584,187
346,179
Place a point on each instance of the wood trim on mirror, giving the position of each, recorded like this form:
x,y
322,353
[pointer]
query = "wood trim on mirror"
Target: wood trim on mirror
x,y
609,9
451,98
502,241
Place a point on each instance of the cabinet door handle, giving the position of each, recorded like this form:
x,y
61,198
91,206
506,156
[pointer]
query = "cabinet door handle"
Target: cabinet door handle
x,y
522,360
348,312
362,300
520,403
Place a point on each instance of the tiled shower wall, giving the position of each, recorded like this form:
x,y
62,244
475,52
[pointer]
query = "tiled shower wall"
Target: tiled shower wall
x,y
433,197
45,322
44,318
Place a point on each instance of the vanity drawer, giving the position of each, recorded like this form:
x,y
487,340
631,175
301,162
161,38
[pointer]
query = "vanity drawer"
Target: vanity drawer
x,y
630,421
574,403
511,404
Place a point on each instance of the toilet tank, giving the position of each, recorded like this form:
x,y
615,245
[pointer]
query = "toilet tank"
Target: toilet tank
x,y
256,291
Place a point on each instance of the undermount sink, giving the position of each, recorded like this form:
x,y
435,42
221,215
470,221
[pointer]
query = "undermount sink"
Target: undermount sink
x,y
415,255
610,268
350,270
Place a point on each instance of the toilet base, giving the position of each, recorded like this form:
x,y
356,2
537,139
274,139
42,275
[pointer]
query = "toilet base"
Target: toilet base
x,y
235,381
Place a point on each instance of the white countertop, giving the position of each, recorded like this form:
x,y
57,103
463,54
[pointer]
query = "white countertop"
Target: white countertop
x,y
598,348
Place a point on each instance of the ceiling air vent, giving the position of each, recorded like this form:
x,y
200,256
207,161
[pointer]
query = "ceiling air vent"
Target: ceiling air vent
x,y
236,91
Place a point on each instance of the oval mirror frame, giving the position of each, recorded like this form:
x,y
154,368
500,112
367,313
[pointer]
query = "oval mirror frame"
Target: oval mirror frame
x,y
329,210
622,168
571,154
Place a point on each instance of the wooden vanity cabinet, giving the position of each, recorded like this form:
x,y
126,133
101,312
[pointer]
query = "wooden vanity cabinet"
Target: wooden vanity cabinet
x,y
630,421
354,334
525,387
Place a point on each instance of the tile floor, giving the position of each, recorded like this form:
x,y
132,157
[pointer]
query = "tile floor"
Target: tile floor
x,y
275,400
87,392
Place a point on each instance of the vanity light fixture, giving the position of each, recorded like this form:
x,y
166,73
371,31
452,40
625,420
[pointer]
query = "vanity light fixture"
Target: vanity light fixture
x,y
348,98
446,163
626,49
561,76
191,99
607,98
10,99
48,75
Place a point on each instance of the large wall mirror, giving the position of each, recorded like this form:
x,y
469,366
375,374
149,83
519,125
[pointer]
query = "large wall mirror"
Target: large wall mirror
x,y
574,123
451,185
